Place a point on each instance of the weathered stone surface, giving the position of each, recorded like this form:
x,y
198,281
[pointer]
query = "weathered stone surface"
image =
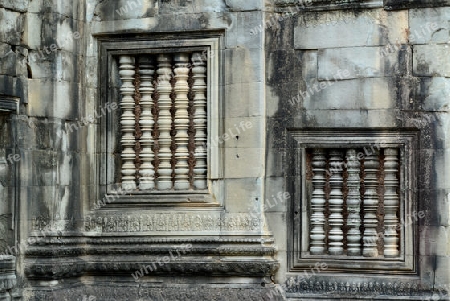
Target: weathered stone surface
x,y
431,236
435,29
430,60
270,54
12,26
105,291
16,5
370,28
435,91
348,95
243,162
360,62
41,94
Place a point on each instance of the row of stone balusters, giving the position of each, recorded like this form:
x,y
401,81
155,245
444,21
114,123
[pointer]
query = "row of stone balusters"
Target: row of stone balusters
x,y
370,204
164,89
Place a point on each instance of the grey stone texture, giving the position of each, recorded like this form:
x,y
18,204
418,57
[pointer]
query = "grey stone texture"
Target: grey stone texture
x,y
283,66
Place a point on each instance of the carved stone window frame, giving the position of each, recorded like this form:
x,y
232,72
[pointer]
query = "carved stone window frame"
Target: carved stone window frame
x,y
298,141
110,48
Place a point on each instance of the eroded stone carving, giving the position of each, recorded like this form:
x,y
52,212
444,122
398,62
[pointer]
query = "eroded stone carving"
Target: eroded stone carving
x,y
172,222
297,286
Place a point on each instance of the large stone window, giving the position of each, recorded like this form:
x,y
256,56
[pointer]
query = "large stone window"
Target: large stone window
x,y
163,121
156,144
355,208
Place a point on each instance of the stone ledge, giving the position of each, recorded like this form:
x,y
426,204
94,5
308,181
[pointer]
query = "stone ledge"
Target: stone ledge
x,y
119,291
324,5
403,4
62,257
56,269
9,104
335,287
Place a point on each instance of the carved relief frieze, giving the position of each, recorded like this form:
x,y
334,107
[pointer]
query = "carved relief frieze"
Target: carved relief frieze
x,y
301,286
157,222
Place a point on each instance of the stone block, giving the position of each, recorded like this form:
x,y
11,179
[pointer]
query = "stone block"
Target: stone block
x,y
276,199
244,162
275,162
244,100
246,65
15,5
70,9
32,34
8,60
241,195
90,70
434,240
358,62
367,94
442,273
243,132
309,64
276,224
337,118
69,36
44,168
429,25
14,86
25,168
369,28
131,9
431,60
435,93
52,99
246,22
12,26
237,5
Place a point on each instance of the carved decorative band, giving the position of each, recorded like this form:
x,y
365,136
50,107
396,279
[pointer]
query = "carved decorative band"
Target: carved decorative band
x,y
155,222
299,286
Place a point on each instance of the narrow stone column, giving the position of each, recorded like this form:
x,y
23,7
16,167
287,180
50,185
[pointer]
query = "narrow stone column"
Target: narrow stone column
x,y
371,166
353,204
317,233
391,203
127,121
164,89
181,121
146,171
336,220
200,119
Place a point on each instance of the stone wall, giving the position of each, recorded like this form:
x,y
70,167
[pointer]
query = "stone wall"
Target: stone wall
x,y
382,66
361,68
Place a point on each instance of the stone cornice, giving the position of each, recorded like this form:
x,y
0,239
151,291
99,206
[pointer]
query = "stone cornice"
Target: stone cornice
x,y
324,5
344,287
9,104
59,269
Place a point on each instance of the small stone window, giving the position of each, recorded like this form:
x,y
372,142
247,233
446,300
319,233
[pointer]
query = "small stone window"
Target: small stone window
x,y
356,209
354,206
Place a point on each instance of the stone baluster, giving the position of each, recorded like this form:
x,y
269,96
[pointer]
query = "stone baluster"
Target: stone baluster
x,y
181,121
146,122
353,204
370,238
127,121
200,119
164,89
336,220
391,203
317,234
